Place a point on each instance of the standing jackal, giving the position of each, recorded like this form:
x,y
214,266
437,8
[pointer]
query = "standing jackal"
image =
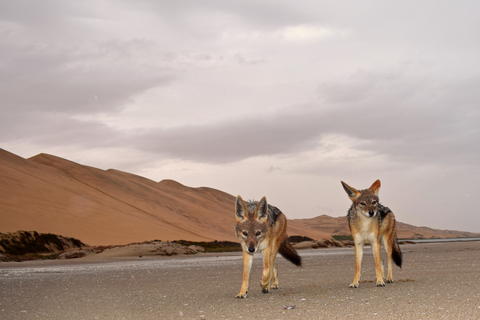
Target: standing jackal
x,y
370,222
262,227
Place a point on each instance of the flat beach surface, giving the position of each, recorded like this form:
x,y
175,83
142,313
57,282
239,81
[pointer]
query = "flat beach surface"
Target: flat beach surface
x,y
437,281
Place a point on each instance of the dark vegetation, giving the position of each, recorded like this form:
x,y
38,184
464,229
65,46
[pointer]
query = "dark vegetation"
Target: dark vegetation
x,y
28,245
296,239
213,246
341,237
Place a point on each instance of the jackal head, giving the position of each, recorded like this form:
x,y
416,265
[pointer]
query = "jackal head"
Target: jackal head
x,y
251,228
364,201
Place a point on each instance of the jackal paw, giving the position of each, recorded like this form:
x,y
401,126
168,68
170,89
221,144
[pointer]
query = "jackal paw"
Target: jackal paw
x,y
354,285
380,284
265,290
274,286
389,281
241,295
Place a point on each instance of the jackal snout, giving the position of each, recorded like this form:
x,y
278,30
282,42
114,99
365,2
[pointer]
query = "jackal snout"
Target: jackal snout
x,y
251,235
367,208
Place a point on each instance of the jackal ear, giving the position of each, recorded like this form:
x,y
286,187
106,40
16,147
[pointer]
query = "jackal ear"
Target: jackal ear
x,y
351,192
261,212
375,187
240,209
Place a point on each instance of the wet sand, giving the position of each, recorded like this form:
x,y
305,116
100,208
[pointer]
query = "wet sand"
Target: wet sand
x,y
437,281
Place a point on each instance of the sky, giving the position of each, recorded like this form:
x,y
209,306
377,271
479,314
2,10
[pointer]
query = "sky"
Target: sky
x,y
282,99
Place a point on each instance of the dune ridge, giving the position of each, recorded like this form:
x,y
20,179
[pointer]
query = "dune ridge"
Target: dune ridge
x,y
50,194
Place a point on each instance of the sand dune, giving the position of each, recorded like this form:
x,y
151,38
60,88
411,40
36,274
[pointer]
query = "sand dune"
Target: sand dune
x,y
49,194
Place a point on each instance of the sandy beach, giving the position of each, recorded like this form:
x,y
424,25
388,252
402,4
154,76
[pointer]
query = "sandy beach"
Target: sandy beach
x,y
438,281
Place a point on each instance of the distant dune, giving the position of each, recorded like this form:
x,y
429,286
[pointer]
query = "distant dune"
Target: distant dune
x,y
49,194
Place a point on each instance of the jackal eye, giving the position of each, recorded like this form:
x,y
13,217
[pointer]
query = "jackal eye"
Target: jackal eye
x,y
245,233
258,233
374,202
363,204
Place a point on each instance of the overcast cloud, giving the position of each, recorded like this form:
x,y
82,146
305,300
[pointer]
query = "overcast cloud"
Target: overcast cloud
x,y
275,98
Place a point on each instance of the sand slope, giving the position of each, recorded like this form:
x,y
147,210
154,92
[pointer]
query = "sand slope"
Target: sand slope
x,y
49,194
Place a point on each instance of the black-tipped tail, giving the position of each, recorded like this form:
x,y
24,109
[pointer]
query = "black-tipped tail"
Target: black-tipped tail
x,y
289,253
397,255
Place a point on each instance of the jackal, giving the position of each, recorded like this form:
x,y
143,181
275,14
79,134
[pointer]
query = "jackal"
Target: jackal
x,y
371,222
263,227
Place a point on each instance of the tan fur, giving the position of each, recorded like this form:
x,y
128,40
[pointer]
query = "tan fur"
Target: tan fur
x,y
371,223
264,230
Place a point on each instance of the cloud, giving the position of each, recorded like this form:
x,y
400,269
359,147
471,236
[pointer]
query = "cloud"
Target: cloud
x,y
374,122
78,79
307,32
390,116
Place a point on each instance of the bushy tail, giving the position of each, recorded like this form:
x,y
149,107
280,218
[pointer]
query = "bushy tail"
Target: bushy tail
x,y
397,255
289,253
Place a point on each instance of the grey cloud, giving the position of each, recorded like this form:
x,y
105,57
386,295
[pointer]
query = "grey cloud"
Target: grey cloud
x,y
231,141
256,13
32,13
46,130
402,127
74,80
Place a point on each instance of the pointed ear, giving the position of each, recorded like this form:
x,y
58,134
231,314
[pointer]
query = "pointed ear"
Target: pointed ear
x,y
375,187
240,209
261,212
352,192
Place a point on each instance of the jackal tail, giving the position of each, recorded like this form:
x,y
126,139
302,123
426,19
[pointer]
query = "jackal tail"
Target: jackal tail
x,y
397,255
289,253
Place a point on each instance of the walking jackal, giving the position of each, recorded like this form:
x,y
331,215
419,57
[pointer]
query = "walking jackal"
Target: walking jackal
x,y
261,226
370,222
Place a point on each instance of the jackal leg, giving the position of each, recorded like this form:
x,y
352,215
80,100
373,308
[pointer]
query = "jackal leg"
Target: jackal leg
x,y
358,264
269,269
247,266
378,263
388,250
275,276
